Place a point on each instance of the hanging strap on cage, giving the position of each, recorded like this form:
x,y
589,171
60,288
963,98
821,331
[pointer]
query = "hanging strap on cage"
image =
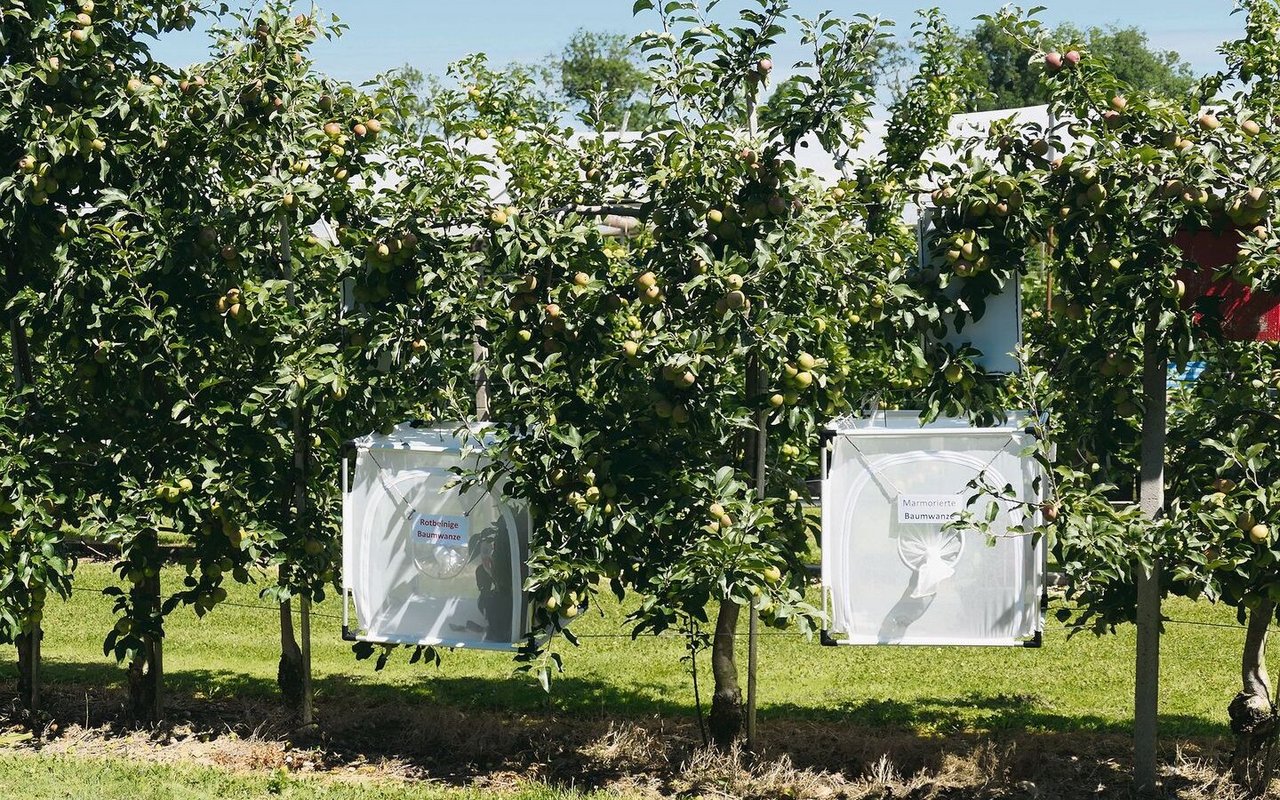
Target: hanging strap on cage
x,y
1013,437
391,488
395,492
886,483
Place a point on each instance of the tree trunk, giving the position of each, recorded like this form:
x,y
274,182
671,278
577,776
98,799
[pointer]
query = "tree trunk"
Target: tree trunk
x,y
289,676
146,670
726,718
1253,715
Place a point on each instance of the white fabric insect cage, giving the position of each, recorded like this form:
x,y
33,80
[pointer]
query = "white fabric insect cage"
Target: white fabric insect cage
x,y
893,571
425,562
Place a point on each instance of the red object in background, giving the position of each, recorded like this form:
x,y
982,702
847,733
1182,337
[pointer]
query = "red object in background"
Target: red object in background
x,y
1242,314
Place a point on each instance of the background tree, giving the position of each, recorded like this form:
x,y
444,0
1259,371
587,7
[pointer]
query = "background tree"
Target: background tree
x,y
1010,81
415,102
601,78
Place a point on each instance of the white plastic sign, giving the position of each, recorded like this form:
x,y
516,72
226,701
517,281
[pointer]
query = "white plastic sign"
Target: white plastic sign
x,y
929,509
441,529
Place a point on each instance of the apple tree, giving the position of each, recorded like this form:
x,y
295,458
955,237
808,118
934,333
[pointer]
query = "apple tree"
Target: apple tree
x,y
65,129
667,335
268,301
1135,176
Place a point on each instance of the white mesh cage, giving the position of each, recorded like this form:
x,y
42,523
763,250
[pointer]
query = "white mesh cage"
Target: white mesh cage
x,y
425,562
892,573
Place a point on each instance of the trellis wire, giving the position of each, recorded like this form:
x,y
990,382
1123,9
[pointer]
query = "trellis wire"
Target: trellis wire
x,y
777,634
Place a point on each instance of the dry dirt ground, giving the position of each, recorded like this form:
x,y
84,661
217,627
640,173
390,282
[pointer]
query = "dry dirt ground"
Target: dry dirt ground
x,y
640,757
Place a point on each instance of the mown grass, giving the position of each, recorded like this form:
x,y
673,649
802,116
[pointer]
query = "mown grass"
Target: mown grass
x,y
59,777
1071,684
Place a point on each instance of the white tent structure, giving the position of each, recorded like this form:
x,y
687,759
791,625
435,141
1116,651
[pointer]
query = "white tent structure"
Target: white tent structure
x,y
423,561
898,564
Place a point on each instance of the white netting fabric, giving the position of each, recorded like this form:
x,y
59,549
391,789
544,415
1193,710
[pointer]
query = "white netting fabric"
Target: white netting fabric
x,y
897,578
424,561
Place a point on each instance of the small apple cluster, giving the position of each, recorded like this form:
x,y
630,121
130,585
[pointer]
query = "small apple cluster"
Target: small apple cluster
x,y
171,493
1250,208
501,215
192,85
337,136
964,253
528,310
1088,193
39,180
1055,62
734,298
797,377
387,256
990,197
648,291
1257,531
590,493
230,305
81,27
719,520
758,201
679,382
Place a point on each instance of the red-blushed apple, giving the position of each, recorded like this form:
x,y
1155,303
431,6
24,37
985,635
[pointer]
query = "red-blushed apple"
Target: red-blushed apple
x,y
1051,510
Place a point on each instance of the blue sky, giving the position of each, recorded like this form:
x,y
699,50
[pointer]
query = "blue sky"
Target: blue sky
x,y
429,34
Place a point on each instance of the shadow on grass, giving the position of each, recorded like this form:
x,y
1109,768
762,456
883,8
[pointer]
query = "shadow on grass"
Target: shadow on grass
x,y
587,697
592,734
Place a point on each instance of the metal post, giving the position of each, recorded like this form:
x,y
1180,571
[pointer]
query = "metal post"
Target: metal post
x,y
157,676
304,614
300,444
37,633
1146,697
753,628
755,385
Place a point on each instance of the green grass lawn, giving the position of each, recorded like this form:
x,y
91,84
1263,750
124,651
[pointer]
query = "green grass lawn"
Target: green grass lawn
x,y
55,778
1081,683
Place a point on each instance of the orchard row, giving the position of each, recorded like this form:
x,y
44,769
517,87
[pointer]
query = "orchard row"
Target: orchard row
x,y
215,276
